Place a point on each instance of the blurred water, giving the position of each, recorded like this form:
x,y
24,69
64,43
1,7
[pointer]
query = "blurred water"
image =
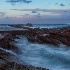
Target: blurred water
x,y
51,25
43,55
6,27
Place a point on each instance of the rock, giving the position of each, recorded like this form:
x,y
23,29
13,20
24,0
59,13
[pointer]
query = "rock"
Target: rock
x,y
15,66
53,36
6,43
4,55
28,24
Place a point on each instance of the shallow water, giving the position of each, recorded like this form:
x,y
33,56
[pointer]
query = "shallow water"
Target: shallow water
x,y
43,55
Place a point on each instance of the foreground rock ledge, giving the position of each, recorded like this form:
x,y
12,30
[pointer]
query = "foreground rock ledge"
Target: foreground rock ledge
x,y
15,66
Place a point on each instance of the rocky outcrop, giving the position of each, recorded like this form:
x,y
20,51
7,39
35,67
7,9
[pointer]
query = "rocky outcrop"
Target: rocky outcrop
x,y
15,66
44,35
49,36
4,55
28,24
6,43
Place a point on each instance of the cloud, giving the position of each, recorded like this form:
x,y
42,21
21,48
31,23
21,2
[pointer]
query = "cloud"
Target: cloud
x,y
34,11
69,4
26,14
50,17
56,3
35,20
49,3
2,14
42,10
62,4
16,1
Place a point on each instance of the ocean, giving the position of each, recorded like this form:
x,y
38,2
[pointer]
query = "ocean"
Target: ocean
x,y
43,55
6,27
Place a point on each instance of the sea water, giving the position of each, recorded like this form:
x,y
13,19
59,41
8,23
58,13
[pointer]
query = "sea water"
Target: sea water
x,y
6,27
50,25
43,55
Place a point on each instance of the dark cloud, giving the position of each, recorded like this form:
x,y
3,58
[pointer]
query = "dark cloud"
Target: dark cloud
x,y
49,3
2,13
64,17
16,1
62,4
56,3
34,11
42,10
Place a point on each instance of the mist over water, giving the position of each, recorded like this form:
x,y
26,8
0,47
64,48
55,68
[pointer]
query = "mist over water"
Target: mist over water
x,y
43,55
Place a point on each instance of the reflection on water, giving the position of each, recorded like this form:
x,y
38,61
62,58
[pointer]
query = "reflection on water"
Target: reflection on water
x,y
43,55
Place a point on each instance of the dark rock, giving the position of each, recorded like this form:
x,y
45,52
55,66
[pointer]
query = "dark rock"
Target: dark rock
x,y
28,24
4,55
15,66
6,43
55,36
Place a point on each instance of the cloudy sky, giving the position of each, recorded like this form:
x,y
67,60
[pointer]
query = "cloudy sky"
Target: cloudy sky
x,y
34,11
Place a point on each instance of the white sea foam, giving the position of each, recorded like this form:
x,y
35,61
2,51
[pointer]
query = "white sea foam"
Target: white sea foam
x,y
9,51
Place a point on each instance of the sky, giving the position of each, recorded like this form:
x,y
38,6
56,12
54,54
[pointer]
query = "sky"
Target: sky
x,y
34,11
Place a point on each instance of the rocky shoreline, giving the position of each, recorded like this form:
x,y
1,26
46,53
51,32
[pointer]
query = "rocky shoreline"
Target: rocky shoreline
x,y
43,35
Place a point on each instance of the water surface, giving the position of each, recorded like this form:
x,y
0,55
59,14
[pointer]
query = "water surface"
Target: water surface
x,y
44,55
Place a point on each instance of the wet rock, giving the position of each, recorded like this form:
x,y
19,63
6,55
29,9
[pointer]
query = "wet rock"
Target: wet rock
x,y
15,66
4,55
6,43
28,24
53,36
